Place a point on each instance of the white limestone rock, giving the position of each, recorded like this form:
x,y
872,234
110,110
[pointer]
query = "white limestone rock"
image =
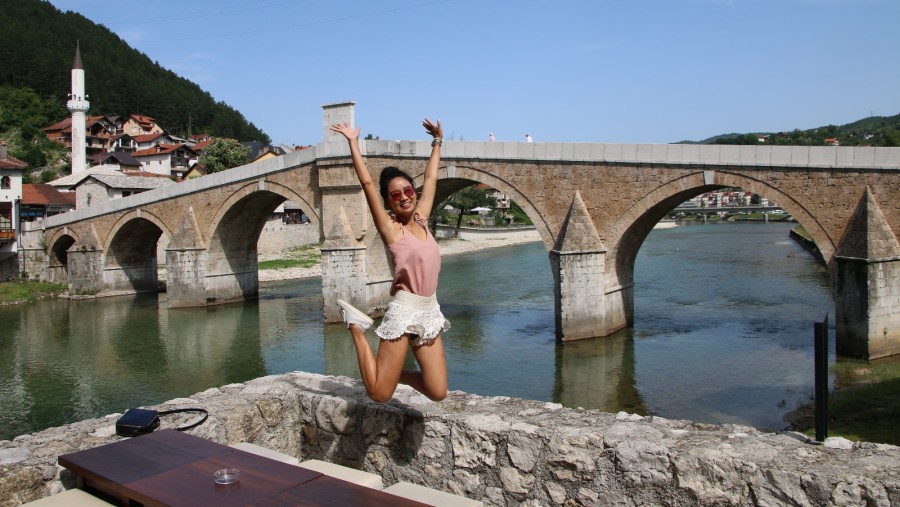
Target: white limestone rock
x,y
643,463
556,492
515,481
13,455
336,415
524,450
472,448
838,443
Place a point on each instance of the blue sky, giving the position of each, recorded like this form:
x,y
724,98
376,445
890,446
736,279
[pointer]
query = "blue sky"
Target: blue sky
x,y
584,71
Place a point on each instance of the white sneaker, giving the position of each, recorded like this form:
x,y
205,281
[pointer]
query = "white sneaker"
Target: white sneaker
x,y
352,315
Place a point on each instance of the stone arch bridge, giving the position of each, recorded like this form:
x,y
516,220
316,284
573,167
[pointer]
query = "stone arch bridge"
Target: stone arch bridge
x,y
593,205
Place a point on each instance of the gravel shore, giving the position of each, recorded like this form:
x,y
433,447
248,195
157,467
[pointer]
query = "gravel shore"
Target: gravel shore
x,y
447,246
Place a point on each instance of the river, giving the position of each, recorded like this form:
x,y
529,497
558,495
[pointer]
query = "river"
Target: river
x,y
722,334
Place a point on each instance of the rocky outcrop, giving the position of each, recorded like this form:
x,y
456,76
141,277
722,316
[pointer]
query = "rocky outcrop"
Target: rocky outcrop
x,y
503,451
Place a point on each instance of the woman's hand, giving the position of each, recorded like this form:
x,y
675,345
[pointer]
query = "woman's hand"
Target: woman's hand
x,y
348,131
434,130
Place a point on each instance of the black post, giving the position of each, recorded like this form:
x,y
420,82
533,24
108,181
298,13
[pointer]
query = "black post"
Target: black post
x,y
820,329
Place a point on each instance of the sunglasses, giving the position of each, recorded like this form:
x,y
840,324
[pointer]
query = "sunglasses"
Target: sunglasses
x,y
408,191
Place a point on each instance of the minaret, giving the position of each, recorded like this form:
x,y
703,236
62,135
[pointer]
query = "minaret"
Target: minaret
x,y
78,105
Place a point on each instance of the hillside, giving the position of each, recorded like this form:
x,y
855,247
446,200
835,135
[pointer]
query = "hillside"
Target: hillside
x,y
37,47
871,131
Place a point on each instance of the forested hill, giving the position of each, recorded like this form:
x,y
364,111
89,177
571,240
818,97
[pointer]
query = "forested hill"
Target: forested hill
x,y
871,131
37,48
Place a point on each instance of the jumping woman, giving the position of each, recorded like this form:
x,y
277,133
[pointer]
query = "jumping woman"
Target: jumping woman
x,y
413,318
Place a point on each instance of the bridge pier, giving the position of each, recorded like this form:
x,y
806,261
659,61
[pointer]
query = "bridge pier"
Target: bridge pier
x,y
867,285
85,264
585,308
186,277
85,271
343,270
866,307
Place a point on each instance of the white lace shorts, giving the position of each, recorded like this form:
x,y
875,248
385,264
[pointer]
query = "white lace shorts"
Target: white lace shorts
x,y
408,313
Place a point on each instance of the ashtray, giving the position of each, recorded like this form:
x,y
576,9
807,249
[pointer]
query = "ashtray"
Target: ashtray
x,y
227,476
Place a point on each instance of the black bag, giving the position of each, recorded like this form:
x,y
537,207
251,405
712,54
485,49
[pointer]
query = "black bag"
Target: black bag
x,y
139,421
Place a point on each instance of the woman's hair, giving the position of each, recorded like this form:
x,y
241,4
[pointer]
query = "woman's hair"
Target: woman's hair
x,y
387,174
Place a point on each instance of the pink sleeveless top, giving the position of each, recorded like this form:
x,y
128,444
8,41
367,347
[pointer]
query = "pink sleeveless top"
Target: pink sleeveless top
x,y
417,263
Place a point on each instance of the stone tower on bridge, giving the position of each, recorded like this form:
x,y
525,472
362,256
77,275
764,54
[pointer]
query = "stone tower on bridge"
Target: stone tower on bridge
x,y
78,106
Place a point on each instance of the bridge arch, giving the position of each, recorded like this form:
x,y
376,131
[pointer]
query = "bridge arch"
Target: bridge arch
x,y
130,263
453,180
232,260
827,245
58,256
632,228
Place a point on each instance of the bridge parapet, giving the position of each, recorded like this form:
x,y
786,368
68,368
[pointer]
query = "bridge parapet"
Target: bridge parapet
x,y
844,157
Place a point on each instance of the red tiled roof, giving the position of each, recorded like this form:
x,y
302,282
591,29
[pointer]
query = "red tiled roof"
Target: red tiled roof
x,y
45,194
66,125
203,144
12,163
161,148
142,119
147,137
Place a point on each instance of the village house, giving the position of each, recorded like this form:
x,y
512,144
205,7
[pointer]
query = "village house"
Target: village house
x,y
99,130
119,160
11,170
44,200
100,187
167,159
147,141
138,125
122,142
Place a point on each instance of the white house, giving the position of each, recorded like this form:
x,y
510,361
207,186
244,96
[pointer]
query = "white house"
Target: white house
x,y
10,198
167,159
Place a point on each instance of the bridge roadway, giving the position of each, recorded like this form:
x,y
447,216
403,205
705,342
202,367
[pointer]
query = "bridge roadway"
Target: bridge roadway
x,y
592,203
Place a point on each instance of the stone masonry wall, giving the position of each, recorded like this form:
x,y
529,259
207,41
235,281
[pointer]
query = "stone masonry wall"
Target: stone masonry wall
x,y
277,236
500,450
9,268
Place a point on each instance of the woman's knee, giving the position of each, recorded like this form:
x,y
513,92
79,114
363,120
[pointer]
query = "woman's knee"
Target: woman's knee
x,y
436,395
380,395
435,391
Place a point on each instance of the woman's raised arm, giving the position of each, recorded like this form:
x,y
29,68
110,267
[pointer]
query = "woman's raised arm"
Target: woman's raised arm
x,y
370,188
429,187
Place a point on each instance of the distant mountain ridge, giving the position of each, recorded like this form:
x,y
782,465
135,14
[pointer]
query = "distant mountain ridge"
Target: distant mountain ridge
x,y
871,131
37,47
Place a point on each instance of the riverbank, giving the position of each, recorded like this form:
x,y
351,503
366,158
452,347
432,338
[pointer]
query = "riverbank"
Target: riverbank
x,y
20,290
447,246
863,406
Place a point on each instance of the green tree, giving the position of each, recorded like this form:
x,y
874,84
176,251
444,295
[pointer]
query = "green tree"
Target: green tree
x,y
892,138
467,199
223,154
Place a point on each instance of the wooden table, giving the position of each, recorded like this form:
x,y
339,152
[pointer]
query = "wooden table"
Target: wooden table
x,y
171,468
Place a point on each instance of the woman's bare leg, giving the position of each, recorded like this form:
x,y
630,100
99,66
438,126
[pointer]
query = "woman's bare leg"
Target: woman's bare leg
x,y
432,380
380,374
